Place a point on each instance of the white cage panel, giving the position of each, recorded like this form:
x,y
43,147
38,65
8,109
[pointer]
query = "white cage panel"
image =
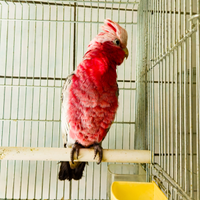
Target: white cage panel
x,y
40,44
169,61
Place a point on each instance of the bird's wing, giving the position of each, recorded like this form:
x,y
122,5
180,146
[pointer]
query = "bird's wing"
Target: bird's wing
x,y
67,141
64,121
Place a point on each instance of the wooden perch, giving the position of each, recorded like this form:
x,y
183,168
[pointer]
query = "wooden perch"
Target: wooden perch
x,y
63,154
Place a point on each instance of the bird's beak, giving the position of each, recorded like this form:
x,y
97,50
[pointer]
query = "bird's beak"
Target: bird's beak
x,y
126,52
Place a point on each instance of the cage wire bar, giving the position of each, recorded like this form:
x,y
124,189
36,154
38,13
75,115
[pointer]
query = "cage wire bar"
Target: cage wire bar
x,y
41,42
169,58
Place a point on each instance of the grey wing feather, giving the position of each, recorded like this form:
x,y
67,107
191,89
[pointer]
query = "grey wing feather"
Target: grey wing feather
x,y
64,122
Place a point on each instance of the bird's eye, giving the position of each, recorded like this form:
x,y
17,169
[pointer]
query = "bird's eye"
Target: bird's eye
x,y
117,42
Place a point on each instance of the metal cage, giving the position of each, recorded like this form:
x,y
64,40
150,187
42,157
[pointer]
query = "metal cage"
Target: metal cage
x,y
168,73
41,43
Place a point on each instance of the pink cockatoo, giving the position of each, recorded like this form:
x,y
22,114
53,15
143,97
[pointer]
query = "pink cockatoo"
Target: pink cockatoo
x,y
90,97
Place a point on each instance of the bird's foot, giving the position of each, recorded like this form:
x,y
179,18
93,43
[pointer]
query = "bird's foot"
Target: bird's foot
x,y
98,149
75,148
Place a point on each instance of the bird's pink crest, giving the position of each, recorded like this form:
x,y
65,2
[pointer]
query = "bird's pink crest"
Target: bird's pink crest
x,y
111,31
114,29
109,26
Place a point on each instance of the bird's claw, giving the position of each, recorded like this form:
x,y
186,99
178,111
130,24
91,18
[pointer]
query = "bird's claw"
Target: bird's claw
x,y
98,149
75,148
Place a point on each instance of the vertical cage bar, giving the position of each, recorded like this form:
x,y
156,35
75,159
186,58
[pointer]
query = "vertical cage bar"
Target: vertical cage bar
x,y
69,63
149,78
159,83
53,123
164,88
150,51
191,105
6,58
141,83
185,97
171,63
84,13
168,86
141,120
180,89
131,78
198,97
70,38
153,57
76,17
176,98
74,39
4,88
161,50
149,57
124,73
61,83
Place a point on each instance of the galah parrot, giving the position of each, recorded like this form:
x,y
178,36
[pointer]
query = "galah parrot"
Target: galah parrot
x,y
90,97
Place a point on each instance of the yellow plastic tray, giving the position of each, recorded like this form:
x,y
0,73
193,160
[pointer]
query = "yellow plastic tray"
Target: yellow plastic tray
x,y
136,191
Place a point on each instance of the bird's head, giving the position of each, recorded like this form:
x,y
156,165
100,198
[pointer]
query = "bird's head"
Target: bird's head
x,y
113,39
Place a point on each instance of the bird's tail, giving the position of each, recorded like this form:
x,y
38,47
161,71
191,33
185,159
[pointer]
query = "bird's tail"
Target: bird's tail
x,y
70,171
